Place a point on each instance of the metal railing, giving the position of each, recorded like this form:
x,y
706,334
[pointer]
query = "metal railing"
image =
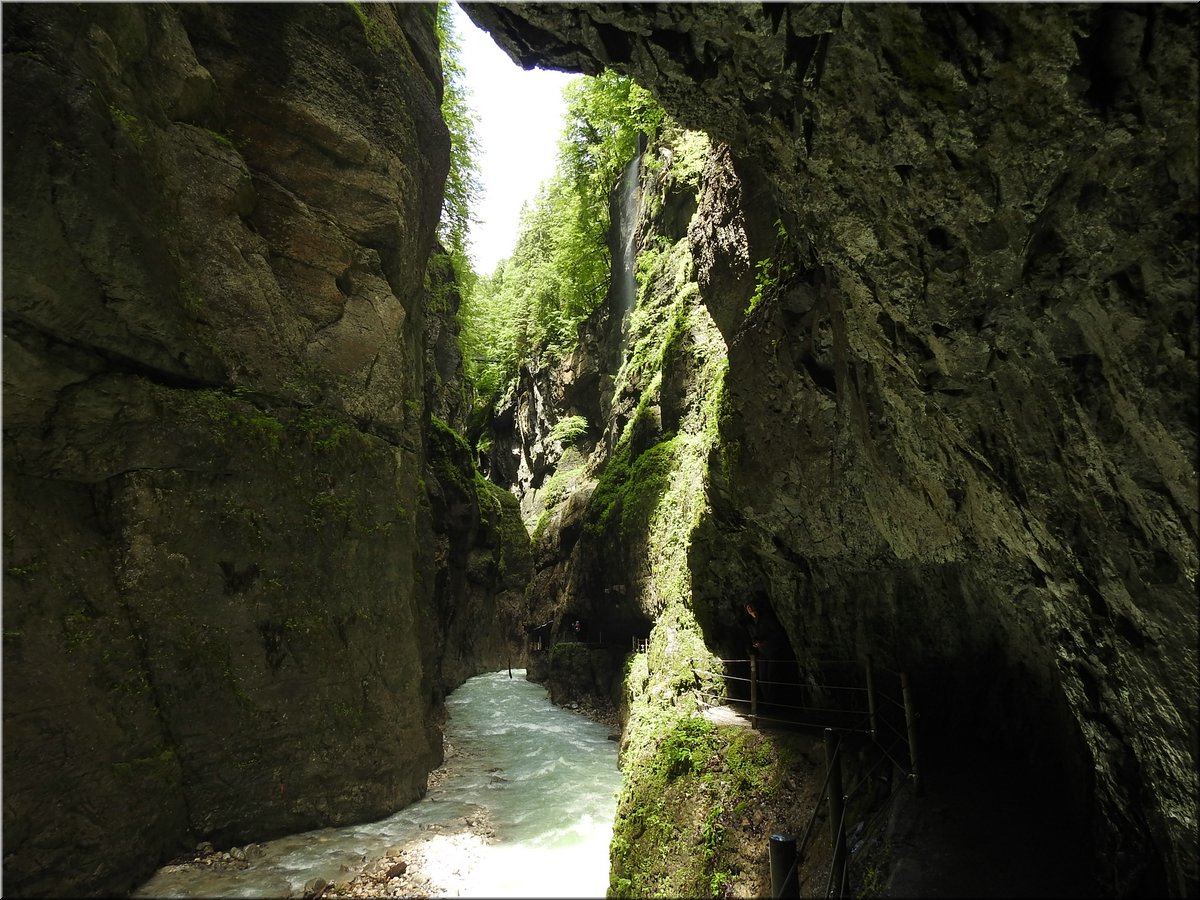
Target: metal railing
x,y
846,717
866,710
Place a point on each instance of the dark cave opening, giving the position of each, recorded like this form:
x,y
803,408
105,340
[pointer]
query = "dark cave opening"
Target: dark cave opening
x,y
1007,786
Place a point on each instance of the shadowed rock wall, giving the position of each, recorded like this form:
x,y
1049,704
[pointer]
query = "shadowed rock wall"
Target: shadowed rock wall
x,y
220,565
961,426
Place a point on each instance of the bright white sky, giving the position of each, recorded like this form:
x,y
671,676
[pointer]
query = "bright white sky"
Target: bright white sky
x,y
519,117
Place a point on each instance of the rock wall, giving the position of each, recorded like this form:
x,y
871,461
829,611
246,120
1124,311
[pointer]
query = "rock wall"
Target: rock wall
x,y
952,254
481,564
223,612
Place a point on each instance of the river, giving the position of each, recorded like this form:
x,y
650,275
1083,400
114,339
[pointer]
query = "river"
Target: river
x,y
543,778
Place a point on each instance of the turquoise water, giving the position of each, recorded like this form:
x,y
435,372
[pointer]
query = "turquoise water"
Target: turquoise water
x,y
546,777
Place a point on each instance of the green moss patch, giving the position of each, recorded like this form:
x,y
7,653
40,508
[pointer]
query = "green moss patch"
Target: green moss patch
x,y
630,488
686,823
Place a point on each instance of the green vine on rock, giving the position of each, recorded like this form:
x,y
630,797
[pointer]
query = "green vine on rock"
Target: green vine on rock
x,y
770,273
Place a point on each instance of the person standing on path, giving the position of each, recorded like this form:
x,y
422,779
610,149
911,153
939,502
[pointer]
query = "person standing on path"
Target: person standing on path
x,y
768,644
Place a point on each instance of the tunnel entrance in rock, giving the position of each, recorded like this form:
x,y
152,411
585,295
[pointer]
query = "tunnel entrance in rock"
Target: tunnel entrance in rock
x,y
1006,792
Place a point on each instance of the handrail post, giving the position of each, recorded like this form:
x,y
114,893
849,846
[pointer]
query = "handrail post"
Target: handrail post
x,y
871,708
837,831
754,689
784,879
910,718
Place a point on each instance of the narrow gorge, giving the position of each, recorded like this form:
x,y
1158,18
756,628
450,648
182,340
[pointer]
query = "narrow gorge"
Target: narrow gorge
x,y
899,342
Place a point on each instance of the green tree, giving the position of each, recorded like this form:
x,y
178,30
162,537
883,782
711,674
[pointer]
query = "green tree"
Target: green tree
x,y
605,115
462,182
531,306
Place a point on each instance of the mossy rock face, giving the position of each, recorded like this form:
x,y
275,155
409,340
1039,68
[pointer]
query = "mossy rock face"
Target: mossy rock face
x,y
200,642
578,673
693,775
483,563
700,800
215,604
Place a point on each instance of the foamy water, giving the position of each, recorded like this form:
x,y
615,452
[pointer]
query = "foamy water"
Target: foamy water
x,y
546,777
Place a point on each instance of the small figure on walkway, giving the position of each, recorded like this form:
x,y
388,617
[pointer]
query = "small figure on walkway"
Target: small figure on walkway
x,y
577,628
768,644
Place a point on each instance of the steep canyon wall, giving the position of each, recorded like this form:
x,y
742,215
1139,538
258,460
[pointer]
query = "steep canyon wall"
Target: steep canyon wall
x,y
227,519
951,253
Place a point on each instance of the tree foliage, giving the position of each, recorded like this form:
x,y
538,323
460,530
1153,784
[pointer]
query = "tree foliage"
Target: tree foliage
x,y
605,115
530,307
462,182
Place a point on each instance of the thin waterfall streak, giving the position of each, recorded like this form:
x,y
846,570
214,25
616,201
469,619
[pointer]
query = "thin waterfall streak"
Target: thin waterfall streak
x,y
627,210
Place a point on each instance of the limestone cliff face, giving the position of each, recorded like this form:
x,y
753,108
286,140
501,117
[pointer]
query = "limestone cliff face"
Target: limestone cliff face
x,y
222,610
952,255
448,393
610,504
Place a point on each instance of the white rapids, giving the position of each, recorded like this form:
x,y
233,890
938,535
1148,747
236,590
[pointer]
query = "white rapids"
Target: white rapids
x,y
545,779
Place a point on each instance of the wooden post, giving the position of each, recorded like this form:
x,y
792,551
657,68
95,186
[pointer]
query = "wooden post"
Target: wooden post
x,y
910,717
837,831
754,690
871,708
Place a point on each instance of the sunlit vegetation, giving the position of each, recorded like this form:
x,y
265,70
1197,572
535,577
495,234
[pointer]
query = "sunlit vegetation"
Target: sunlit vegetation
x,y
462,182
697,773
529,308
569,430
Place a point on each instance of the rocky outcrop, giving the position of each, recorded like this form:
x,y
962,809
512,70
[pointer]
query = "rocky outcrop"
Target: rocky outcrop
x,y
479,559
956,279
220,566
543,439
551,407
481,564
448,393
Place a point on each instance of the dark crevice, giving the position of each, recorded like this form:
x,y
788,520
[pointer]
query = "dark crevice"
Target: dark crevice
x,y
1129,631
822,376
801,49
679,46
1044,254
238,581
618,44
1108,59
675,43
992,31
105,360
273,636
774,12
819,67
